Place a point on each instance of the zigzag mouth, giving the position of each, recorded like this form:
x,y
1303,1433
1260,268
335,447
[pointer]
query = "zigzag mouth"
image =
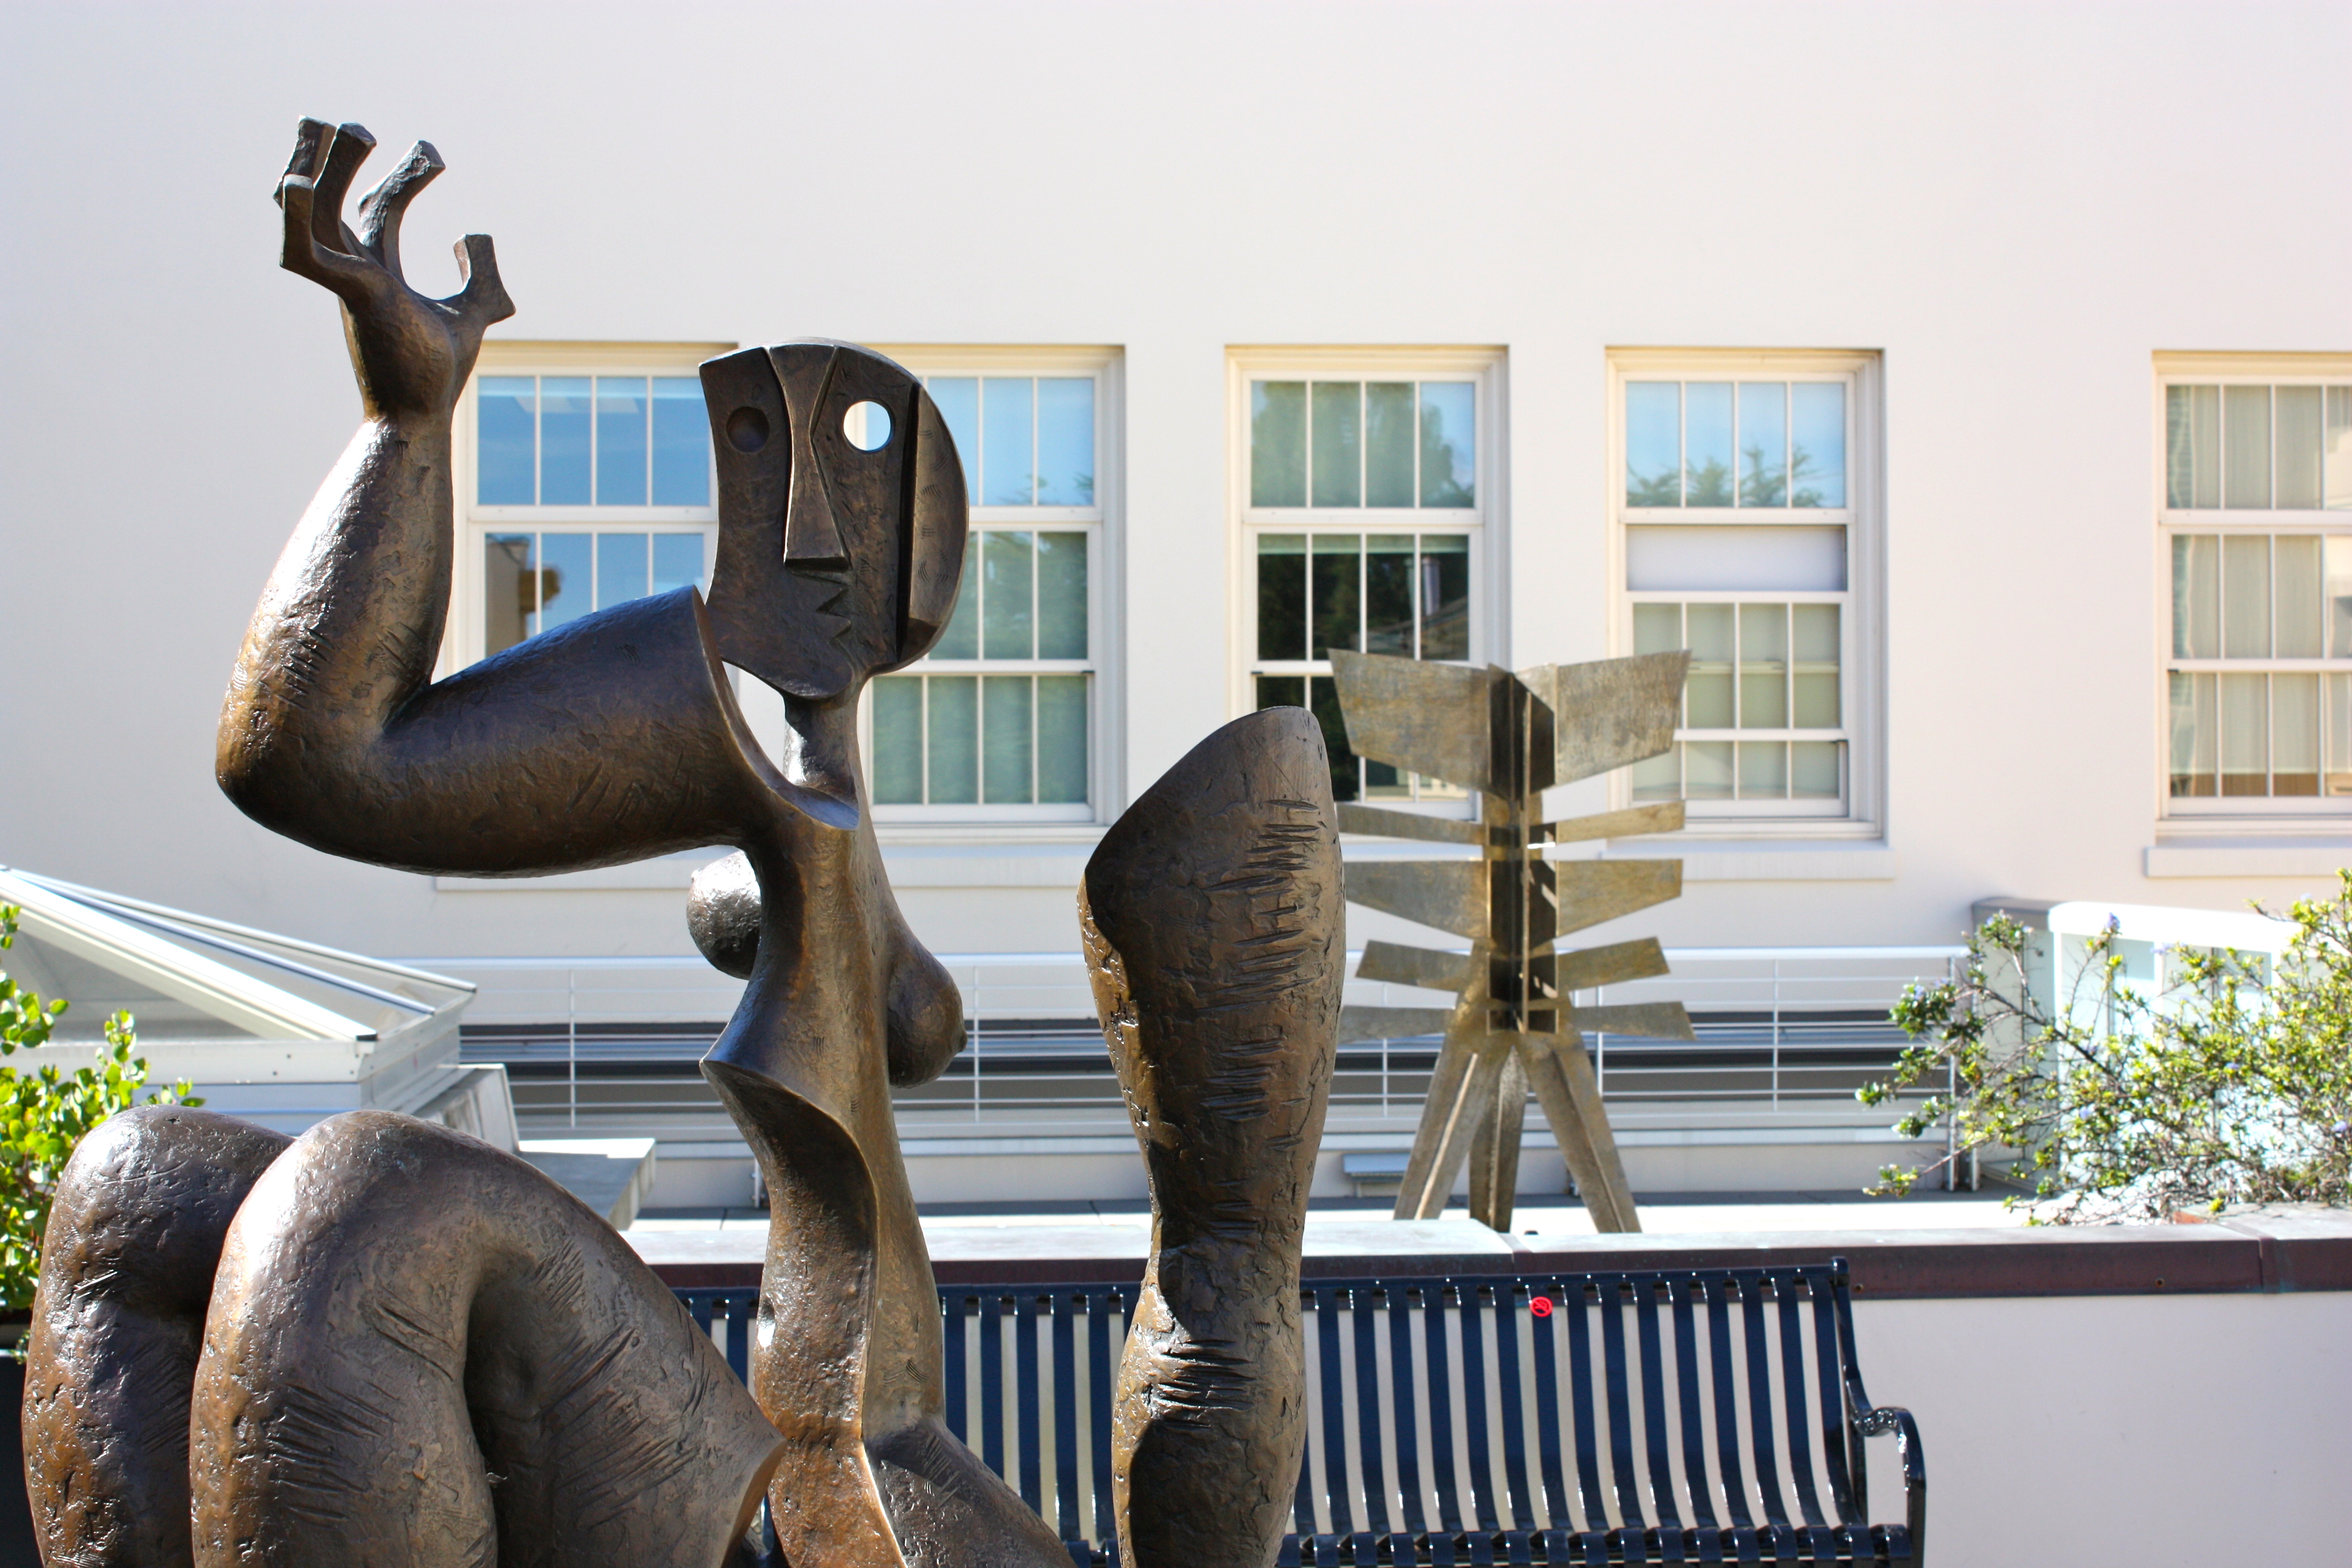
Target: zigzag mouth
x,y
832,585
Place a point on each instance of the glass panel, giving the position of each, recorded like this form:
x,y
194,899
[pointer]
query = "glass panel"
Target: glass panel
x,y
1743,555
681,443
1763,770
1323,701
1659,777
1814,769
1277,442
1061,595
1817,444
2195,735
2246,734
2204,421
1061,739
2338,733
1282,691
2197,596
1706,443
2336,570
2339,439
1654,443
1382,781
1657,628
1814,630
1005,740
1008,463
1338,611
1282,597
2180,448
1007,626
1338,441
509,590
1445,595
565,579
1706,694
2295,562
504,416
1065,440
621,562
961,637
563,413
678,562
1763,666
951,739
898,741
958,397
2298,447
1763,443
1387,443
620,426
1388,594
2246,446
1449,463
1706,770
2294,734
2246,596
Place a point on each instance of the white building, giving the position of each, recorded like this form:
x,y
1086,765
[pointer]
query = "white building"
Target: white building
x,y
1969,387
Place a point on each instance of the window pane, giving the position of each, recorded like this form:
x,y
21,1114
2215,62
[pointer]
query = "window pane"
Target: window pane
x,y
681,442
2246,734
1654,443
2336,561
2203,416
1008,464
1764,443
1706,770
958,397
1277,442
509,590
678,562
898,741
1657,628
1065,440
1338,441
1707,692
2197,596
1815,633
1323,701
1817,444
1387,443
621,560
1763,770
2196,735
2246,596
2180,448
504,447
1382,781
1007,627
1337,610
952,740
2294,734
1659,777
2246,444
1388,594
2339,437
2295,561
1445,595
1282,691
1763,666
2339,733
2298,447
1005,740
563,440
1706,443
1282,597
621,424
1062,739
565,579
1740,555
1449,464
1061,595
1814,769
961,637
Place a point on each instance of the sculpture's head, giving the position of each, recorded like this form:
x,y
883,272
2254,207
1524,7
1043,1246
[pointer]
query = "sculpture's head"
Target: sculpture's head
x,y
841,515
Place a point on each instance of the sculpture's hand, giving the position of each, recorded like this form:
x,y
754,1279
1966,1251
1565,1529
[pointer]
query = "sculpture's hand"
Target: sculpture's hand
x,y
412,354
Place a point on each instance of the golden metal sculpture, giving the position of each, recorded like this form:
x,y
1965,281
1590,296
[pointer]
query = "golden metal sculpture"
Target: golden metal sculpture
x,y
1512,1027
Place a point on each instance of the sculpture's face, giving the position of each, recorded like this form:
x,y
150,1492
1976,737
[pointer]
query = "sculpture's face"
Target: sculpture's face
x,y
841,515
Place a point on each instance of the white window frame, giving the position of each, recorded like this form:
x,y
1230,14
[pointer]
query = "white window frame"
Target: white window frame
x,y
1484,524
2234,816
1860,622
1105,740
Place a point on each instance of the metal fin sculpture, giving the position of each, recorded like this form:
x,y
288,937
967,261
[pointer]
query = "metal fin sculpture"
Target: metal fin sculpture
x,y
1512,1027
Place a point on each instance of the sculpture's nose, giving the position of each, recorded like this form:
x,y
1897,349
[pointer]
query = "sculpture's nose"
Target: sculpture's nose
x,y
811,537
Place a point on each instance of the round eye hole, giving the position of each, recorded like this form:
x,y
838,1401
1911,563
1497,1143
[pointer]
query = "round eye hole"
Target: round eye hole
x,y
747,429
868,425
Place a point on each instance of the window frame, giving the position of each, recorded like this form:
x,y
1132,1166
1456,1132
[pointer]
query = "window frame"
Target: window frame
x,y
1860,622
2218,815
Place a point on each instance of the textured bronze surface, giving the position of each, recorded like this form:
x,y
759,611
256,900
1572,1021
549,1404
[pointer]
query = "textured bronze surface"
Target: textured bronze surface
x,y
1664,816
1213,924
1377,819
1398,964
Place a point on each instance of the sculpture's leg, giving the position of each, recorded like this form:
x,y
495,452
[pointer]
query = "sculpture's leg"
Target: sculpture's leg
x,y
1570,1092
1461,1091
422,1351
1211,917
126,1273
1495,1147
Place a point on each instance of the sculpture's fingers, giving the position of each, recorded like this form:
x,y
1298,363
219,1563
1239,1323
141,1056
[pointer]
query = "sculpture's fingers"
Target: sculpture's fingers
x,y
300,251
381,208
347,149
309,140
483,300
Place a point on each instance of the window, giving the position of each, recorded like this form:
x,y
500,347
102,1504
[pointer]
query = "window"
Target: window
x,y
1745,531
2257,529
1001,721
1364,494
585,480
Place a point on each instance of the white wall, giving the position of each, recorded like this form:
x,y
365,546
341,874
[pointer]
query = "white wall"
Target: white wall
x,y
2017,206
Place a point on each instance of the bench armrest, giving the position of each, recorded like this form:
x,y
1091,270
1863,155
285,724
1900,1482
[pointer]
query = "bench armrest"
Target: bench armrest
x,y
1877,1422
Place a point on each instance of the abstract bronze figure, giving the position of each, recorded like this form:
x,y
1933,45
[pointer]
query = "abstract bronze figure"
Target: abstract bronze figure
x,y
1512,1028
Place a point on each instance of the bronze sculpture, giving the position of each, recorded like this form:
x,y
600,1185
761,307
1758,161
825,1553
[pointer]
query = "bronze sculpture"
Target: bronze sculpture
x,y
414,1349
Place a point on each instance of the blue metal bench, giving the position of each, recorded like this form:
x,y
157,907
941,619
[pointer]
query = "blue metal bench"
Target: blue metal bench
x,y
1709,1415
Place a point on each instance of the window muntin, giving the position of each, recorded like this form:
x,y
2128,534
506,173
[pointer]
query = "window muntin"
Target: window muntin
x,y
591,441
